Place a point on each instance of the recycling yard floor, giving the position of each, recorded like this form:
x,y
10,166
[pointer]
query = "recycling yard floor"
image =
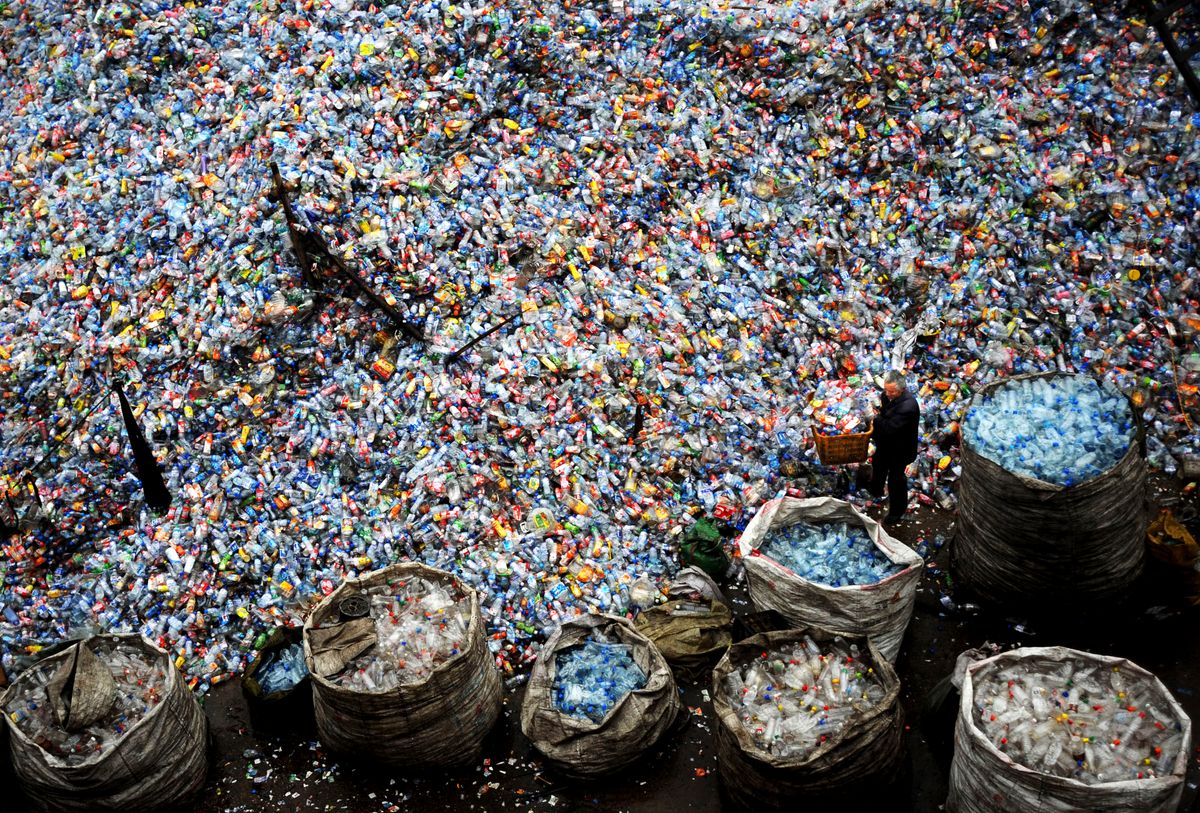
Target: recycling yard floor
x,y
251,772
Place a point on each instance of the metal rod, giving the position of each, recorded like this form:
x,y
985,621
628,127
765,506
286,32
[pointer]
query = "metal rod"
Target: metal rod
x,y
340,265
460,352
1185,68
294,232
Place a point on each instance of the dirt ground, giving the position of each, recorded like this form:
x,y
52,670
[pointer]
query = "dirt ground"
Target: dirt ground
x,y
253,771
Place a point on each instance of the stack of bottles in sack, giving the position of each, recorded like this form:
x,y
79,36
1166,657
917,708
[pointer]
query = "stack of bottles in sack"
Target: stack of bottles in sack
x,y
140,682
419,626
1059,430
590,679
837,554
1087,722
798,696
282,670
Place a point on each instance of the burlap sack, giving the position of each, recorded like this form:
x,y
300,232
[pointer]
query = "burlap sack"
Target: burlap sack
x,y
693,628
880,611
440,722
865,752
160,761
577,746
1024,539
985,780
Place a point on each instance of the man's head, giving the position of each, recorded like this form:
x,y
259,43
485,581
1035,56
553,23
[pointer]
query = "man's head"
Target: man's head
x,y
894,384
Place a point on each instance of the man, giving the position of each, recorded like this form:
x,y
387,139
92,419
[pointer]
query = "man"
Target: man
x,y
896,420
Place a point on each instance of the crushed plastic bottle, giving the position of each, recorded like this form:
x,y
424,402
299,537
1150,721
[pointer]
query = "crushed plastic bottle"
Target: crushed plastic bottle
x,y
1062,430
840,407
592,678
793,699
837,554
283,670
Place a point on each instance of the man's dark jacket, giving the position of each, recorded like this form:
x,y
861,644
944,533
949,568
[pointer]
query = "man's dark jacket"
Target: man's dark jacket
x,y
896,427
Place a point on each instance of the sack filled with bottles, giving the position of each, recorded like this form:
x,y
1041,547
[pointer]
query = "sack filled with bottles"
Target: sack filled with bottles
x,y
599,697
106,724
1052,498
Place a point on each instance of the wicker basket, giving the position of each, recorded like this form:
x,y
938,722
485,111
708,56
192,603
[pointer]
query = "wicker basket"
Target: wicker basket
x,y
836,450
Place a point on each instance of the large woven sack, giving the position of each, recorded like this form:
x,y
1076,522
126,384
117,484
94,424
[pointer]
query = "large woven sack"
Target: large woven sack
x,y
440,722
693,628
985,780
287,710
160,761
1024,539
865,754
577,746
881,611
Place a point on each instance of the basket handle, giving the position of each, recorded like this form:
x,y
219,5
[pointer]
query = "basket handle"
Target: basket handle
x,y
816,432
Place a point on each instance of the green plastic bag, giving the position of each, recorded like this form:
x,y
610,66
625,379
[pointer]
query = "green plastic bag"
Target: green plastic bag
x,y
702,547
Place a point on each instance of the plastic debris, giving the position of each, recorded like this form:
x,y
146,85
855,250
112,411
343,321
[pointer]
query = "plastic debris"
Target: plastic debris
x,y
692,213
1088,722
840,408
283,670
418,626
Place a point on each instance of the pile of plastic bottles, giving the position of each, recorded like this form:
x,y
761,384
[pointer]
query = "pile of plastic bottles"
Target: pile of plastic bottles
x,y
590,679
282,670
1062,430
792,699
837,554
419,626
140,682
841,407
1085,721
693,214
